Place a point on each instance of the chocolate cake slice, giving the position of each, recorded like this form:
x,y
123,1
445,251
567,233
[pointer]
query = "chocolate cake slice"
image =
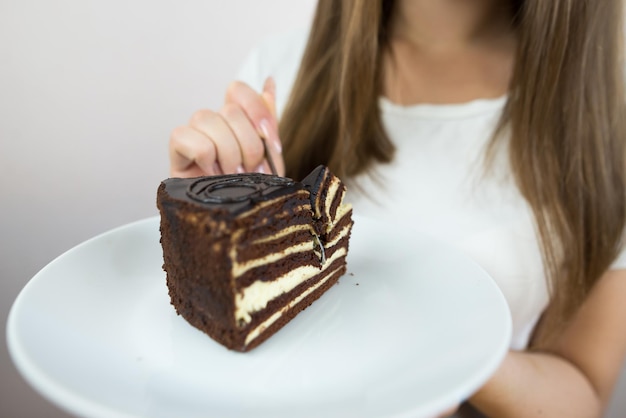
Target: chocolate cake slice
x,y
245,253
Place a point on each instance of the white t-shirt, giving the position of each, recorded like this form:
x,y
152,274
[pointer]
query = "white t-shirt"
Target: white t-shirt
x,y
437,183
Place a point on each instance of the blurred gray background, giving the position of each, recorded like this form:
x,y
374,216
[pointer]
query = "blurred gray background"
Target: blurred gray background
x,y
89,92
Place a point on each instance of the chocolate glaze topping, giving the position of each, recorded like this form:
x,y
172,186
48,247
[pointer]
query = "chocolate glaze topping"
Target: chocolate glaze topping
x,y
234,188
235,193
239,192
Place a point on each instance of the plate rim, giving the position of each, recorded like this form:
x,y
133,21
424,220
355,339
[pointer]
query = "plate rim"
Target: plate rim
x,y
73,402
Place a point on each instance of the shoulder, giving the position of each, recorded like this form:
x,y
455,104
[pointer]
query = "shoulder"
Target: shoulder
x,y
276,56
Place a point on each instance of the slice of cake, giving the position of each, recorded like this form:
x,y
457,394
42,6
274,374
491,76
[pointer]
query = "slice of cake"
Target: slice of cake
x,y
245,253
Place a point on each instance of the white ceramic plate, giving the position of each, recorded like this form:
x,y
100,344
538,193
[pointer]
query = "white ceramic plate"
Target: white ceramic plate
x,y
411,329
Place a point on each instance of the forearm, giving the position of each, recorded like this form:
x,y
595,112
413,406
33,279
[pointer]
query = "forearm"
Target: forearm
x,y
537,385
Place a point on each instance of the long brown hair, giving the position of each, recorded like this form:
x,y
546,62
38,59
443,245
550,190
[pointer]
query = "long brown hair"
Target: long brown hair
x,y
565,121
332,116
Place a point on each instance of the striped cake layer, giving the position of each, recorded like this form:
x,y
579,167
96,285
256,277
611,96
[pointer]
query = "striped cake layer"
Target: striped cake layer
x,y
281,309
267,268
259,304
288,243
257,295
308,296
245,230
247,251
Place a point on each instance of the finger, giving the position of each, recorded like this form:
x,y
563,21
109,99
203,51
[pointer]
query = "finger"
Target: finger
x,y
261,111
250,145
213,125
191,153
271,133
257,107
245,96
275,153
263,168
269,95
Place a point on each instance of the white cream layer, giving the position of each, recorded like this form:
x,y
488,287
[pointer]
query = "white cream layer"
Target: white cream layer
x,y
256,296
240,268
269,321
283,233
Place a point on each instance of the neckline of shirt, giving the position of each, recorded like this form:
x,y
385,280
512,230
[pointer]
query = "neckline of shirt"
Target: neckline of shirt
x,y
443,111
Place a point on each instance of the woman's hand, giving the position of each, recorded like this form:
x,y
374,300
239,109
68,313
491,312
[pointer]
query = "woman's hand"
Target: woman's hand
x,y
230,140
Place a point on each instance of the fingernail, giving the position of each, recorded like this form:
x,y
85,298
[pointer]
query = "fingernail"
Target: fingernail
x,y
216,168
265,130
270,86
264,125
240,169
260,169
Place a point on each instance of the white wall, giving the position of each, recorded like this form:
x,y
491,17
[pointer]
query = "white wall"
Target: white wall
x,y
89,91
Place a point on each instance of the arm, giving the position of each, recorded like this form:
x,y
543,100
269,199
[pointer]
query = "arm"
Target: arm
x,y
574,377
